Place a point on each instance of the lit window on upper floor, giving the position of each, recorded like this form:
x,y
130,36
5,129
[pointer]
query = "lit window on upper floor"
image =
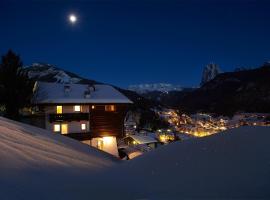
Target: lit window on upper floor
x,y
59,109
110,108
77,108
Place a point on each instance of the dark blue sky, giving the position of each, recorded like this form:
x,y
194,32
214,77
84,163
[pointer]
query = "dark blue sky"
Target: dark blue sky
x,y
125,42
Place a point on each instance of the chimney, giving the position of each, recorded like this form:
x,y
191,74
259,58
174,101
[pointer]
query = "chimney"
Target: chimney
x,y
89,90
87,94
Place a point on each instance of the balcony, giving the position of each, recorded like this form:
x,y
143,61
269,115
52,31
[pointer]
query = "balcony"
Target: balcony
x,y
80,136
68,117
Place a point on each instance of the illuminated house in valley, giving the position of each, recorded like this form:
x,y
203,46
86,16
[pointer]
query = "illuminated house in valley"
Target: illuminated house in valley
x,y
93,114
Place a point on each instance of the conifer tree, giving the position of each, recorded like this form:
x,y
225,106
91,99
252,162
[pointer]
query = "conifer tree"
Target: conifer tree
x,y
15,87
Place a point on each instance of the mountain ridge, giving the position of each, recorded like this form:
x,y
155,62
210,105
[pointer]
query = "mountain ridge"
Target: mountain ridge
x,y
152,87
246,90
51,73
230,92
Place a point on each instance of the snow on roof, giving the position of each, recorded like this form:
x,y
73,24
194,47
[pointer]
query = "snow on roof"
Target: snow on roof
x,y
143,139
46,93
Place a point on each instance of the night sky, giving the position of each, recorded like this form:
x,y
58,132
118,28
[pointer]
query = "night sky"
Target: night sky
x,y
130,42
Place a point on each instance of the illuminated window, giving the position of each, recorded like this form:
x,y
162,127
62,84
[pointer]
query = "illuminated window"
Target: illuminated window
x,y
107,140
100,144
110,108
83,127
56,128
59,109
77,108
64,128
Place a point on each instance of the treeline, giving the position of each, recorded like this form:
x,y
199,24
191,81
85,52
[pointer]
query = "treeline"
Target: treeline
x,y
15,86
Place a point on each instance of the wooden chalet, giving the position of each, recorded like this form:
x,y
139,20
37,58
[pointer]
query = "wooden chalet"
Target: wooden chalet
x,y
93,114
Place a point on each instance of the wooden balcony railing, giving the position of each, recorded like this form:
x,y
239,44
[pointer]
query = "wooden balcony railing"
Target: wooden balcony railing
x,y
68,117
80,136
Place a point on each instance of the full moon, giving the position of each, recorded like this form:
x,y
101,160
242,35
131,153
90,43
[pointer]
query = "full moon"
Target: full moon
x,y
72,18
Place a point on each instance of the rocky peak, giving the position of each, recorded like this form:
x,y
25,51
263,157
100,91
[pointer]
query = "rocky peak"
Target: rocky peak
x,y
210,71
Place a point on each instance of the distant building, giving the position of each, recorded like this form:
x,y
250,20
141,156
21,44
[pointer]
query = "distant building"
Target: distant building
x,y
135,145
93,114
141,139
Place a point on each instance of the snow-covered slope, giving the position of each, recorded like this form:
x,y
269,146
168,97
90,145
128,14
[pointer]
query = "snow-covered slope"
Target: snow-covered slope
x,y
24,147
36,164
159,87
210,72
233,164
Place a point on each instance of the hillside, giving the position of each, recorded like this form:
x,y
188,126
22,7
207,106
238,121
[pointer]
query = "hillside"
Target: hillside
x,y
36,164
23,147
246,91
234,164
165,95
154,87
51,73
169,99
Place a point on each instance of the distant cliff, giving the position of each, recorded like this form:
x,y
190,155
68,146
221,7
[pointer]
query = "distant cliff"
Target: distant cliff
x,y
244,90
210,72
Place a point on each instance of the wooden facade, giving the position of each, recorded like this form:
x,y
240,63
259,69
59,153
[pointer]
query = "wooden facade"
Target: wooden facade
x,y
101,123
93,114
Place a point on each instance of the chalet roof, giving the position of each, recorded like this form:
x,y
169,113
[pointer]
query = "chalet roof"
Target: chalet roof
x,y
143,139
46,93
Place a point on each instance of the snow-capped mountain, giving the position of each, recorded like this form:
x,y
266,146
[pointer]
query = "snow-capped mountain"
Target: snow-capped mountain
x,y
50,73
210,72
155,87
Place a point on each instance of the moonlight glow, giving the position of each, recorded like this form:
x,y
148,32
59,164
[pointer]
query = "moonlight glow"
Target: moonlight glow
x,y
72,18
